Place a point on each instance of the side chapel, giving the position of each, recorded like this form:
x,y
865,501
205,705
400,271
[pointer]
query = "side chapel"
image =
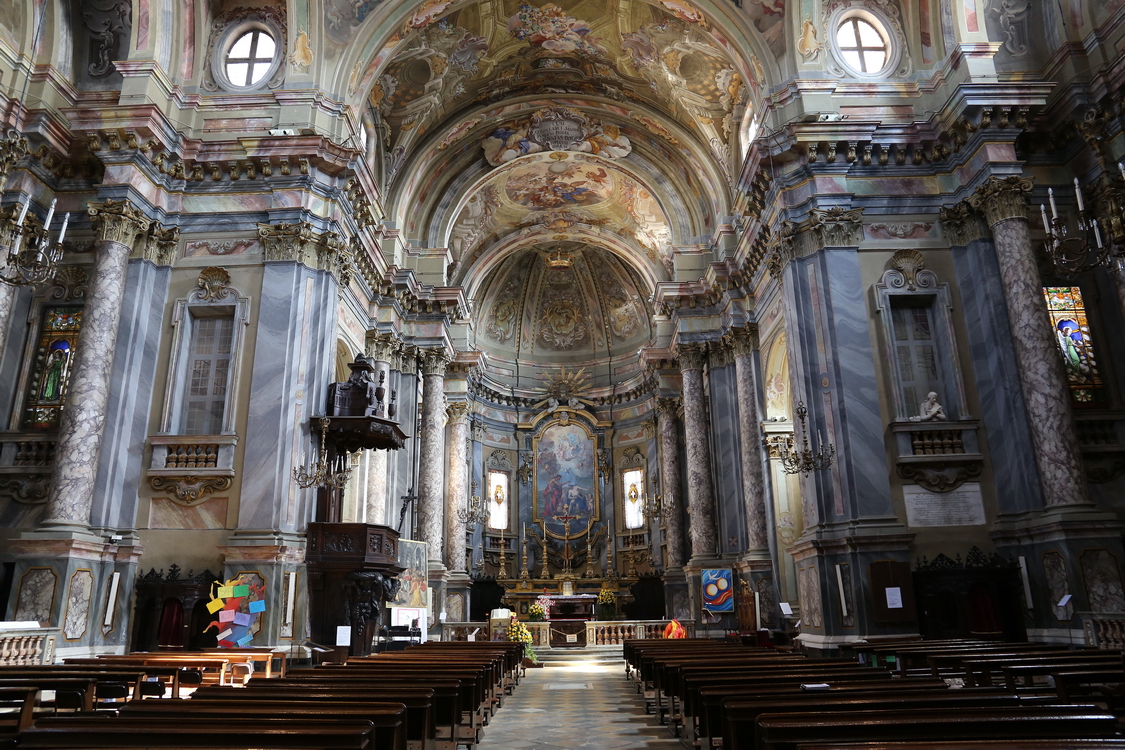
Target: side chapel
x,y
449,304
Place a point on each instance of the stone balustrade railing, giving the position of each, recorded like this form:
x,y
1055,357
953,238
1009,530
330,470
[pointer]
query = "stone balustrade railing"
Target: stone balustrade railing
x,y
27,646
598,633
1104,629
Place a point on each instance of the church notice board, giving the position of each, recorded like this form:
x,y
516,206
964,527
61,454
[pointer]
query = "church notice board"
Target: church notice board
x,y
892,592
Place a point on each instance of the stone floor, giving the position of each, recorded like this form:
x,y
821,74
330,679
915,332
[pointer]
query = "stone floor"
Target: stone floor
x,y
576,706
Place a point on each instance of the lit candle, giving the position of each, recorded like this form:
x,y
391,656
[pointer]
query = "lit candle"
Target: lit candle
x,y
1097,234
1051,198
1046,224
1078,195
50,215
65,221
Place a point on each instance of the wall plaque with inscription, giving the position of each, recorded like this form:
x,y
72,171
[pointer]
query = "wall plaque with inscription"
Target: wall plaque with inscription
x,y
963,506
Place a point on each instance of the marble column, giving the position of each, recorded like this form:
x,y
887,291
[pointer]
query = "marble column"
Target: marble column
x,y
117,224
1003,203
670,481
744,341
380,348
701,510
457,484
12,148
430,450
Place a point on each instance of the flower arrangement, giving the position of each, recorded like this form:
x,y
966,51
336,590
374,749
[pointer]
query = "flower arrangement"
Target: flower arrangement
x,y
605,596
536,612
517,631
607,605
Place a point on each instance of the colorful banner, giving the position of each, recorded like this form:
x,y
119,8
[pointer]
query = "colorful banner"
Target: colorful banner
x,y
237,603
718,590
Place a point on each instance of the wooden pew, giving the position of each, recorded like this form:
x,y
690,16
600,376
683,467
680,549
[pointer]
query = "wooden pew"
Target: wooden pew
x,y
121,732
1084,744
788,731
388,719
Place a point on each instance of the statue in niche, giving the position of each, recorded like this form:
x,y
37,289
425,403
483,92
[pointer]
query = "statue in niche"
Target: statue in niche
x,y
930,410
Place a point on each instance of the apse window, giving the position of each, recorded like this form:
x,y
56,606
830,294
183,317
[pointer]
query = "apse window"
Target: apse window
x,y
862,44
633,482
498,499
250,59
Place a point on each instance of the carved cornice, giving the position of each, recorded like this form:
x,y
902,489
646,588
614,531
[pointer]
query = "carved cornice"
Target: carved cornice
x,y
962,224
434,361
68,283
299,241
781,249
13,147
691,356
457,412
1002,198
408,359
190,490
118,221
161,244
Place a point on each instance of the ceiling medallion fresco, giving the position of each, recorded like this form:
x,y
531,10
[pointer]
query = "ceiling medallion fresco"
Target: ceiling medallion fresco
x,y
555,193
566,312
554,129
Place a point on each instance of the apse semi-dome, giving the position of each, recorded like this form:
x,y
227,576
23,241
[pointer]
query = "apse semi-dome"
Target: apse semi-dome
x,y
591,310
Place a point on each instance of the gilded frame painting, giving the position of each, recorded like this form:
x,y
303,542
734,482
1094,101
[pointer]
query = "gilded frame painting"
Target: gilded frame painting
x,y
566,479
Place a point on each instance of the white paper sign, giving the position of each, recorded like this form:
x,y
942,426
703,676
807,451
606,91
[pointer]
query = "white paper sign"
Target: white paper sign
x,y
1063,601
572,638
894,598
343,635
786,609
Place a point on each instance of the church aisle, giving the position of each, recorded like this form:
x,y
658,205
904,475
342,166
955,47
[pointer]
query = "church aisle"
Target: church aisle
x,y
570,707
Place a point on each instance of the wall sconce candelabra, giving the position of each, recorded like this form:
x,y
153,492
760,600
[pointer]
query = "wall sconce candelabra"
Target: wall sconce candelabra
x,y
804,461
37,261
1088,248
475,513
322,476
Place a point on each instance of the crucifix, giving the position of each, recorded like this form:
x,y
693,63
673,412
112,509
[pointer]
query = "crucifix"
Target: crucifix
x,y
565,518
407,500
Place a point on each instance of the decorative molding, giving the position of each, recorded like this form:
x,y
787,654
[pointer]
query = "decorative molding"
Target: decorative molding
x,y
299,241
499,459
28,489
962,224
941,476
902,230
907,269
632,456
69,283
118,221
108,23
213,285
13,147
1002,198
381,347
837,226
190,490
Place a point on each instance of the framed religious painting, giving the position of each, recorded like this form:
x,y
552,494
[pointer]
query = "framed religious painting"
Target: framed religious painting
x,y
566,488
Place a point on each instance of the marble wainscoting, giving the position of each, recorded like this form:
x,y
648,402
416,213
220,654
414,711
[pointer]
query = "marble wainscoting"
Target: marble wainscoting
x,y
166,513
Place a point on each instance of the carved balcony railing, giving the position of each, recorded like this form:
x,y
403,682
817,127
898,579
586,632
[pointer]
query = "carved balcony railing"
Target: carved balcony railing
x,y
940,455
26,460
1102,438
1104,629
191,467
597,633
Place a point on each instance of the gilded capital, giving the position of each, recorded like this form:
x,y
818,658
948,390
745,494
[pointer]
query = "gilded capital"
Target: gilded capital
x,y
381,346
161,244
434,361
743,341
457,412
13,147
691,356
117,221
667,408
1002,198
962,223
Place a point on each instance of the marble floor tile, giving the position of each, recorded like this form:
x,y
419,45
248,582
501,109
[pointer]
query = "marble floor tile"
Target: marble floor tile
x,y
575,708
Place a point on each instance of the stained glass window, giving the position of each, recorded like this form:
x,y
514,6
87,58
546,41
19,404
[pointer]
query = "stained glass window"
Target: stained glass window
x,y
497,499
53,363
1072,332
633,482
915,355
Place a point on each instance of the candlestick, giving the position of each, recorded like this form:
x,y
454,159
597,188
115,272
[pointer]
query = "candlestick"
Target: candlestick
x,y
50,215
1097,234
1051,198
1046,224
65,221
757,612
23,215
1078,195
1121,169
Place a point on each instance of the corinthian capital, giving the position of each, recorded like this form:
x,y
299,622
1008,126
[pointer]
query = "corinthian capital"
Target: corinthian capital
x,y
118,221
837,227
1002,198
962,223
667,408
743,341
13,147
434,361
691,356
458,412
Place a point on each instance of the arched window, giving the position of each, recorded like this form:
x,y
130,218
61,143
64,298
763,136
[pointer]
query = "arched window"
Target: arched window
x,y
498,499
1071,328
250,58
863,46
633,486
